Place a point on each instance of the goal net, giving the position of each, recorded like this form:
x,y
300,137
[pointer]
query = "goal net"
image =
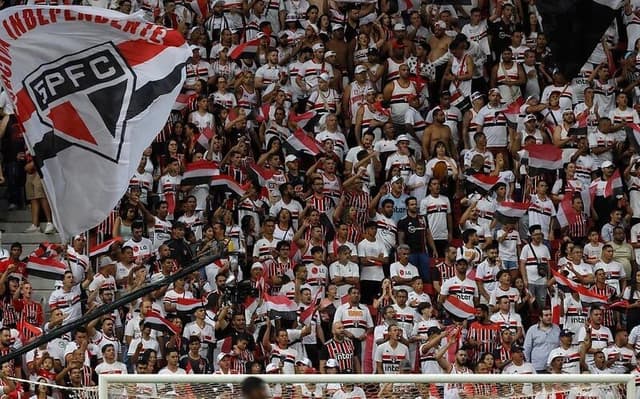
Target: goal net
x,y
402,386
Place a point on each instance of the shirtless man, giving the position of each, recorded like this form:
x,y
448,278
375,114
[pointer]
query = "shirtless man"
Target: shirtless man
x,y
435,132
439,42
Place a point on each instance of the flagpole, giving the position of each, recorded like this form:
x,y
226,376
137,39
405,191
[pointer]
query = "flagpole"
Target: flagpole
x,y
108,309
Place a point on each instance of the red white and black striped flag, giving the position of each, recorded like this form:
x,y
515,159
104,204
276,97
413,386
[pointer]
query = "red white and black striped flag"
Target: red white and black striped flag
x,y
226,183
300,143
245,50
566,215
586,295
633,134
259,174
544,158
199,172
511,212
188,305
103,248
155,321
48,268
482,182
458,307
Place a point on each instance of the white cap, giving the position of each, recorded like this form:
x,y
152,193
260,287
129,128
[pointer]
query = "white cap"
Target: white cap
x,y
193,47
314,27
291,18
305,361
361,68
329,53
568,111
396,179
336,26
106,261
367,19
317,46
440,24
290,158
257,265
399,26
271,368
402,137
324,76
331,363
529,118
532,97
476,95
607,164
495,90
221,356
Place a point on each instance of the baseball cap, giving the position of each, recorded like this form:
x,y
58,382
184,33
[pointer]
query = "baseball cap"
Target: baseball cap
x,y
331,363
476,95
324,76
607,164
440,24
566,333
533,97
567,111
304,362
399,26
317,46
395,179
494,90
530,118
272,368
360,69
291,158
257,265
291,18
221,356
336,26
402,137
106,261
329,53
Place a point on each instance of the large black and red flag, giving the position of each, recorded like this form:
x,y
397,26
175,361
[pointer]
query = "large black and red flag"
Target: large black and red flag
x,y
574,28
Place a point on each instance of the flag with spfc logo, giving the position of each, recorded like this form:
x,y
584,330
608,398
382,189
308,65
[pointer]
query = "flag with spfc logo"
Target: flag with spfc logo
x,y
91,99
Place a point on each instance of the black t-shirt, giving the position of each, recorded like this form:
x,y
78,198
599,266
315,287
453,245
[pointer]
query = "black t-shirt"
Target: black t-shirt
x,y
415,230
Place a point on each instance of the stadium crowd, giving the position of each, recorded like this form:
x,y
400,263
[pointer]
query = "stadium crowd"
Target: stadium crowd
x,y
368,188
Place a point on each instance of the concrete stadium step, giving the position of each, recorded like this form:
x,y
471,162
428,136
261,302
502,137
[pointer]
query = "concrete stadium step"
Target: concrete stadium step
x,y
29,238
17,227
17,215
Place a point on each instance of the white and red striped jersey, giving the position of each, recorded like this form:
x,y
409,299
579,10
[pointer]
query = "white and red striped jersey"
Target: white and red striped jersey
x,y
391,357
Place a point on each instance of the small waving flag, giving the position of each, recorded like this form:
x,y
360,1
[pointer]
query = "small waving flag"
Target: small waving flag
x,y
586,295
633,134
300,143
155,321
566,215
199,172
281,306
259,174
458,308
48,268
205,137
305,121
614,184
513,111
104,248
245,50
188,305
226,183
544,158
511,212
483,183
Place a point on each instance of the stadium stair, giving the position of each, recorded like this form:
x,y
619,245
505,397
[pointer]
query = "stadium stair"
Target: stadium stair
x,y
12,224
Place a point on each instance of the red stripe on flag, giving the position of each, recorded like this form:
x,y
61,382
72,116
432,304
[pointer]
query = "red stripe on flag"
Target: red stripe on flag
x,y
544,156
614,182
585,295
247,48
103,248
25,106
458,308
138,52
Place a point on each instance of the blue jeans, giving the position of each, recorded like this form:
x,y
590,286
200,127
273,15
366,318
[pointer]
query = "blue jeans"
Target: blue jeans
x,y
539,291
423,263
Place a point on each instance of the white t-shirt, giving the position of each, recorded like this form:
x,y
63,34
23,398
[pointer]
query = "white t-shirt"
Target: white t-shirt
x,y
372,248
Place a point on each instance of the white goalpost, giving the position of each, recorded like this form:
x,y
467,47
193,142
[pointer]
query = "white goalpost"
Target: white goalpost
x,y
400,386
